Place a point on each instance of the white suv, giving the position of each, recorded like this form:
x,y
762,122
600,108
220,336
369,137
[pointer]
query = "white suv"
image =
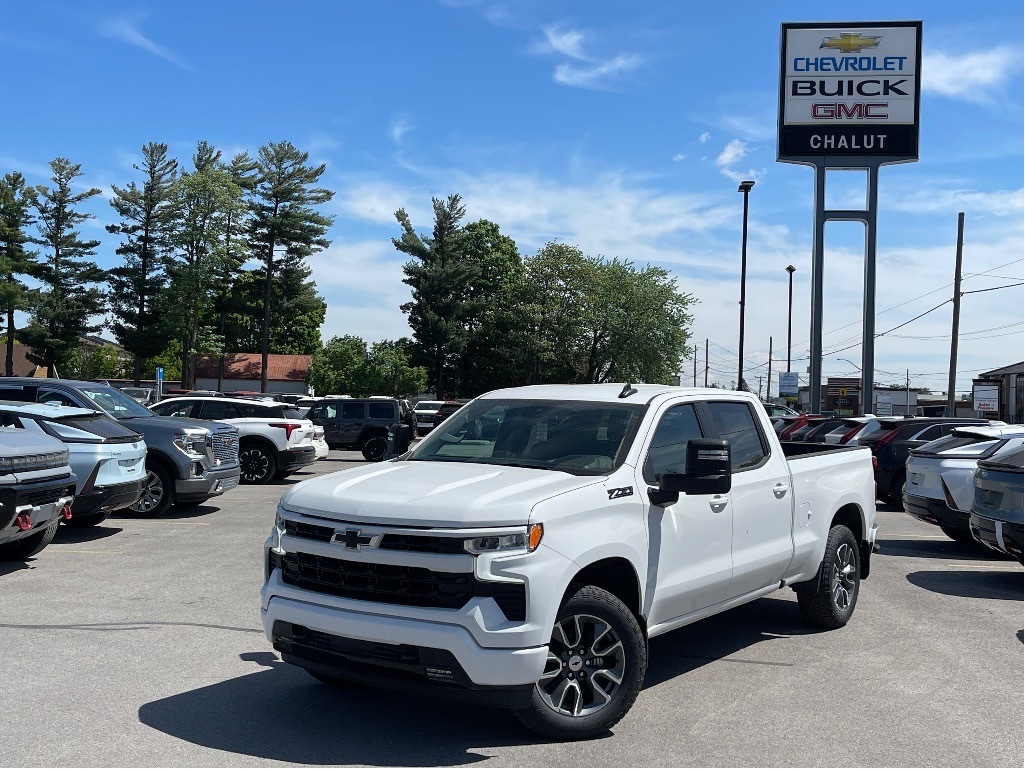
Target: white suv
x,y
274,439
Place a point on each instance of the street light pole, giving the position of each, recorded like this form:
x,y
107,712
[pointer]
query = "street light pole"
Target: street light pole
x,y
744,187
790,311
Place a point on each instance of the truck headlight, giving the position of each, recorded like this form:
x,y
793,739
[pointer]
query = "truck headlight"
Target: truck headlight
x,y
190,443
526,541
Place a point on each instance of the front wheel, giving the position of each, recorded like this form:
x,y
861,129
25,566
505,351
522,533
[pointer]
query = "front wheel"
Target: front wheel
x,y
30,545
595,668
157,495
828,600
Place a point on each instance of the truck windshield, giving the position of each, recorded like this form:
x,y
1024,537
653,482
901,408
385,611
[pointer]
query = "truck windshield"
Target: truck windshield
x,y
114,402
577,437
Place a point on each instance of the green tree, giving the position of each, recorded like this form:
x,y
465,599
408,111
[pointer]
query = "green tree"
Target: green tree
x,y
283,218
137,285
341,368
438,274
492,354
204,200
17,200
390,372
69,296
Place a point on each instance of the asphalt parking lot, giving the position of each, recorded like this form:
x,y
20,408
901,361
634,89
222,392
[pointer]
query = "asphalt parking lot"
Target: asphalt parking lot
x,y
138,643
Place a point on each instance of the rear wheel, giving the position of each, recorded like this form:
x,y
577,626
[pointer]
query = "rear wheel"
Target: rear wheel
x,y
893,496
157,495
257,464
82,521
30,545
595,667
829,599
374,448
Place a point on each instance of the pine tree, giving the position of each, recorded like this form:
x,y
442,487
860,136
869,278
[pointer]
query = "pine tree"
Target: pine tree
x,y
137,284
70,299
16,202
283,219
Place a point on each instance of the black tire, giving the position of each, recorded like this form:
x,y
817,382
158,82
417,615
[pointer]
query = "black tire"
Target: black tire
x,y
85,520
157,495
374,448
30,545
280,475
963,536
256,464
585,683
829,599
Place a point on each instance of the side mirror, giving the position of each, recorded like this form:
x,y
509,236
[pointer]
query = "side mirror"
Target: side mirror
x,y
708,471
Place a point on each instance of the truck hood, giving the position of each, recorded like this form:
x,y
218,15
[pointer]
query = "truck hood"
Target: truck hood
x,y
165,425
431,494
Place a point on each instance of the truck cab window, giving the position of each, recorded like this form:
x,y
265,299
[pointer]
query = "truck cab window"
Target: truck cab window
x,y
669,444
736,423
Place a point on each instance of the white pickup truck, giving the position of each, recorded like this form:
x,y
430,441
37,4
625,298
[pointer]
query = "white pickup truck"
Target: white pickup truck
x,y
523,553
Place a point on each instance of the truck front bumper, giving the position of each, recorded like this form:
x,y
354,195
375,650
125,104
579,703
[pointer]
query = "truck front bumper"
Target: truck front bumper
x,y
398,650
210,484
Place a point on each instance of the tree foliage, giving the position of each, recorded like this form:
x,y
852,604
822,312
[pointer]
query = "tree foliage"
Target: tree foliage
x,y
70,297
17,200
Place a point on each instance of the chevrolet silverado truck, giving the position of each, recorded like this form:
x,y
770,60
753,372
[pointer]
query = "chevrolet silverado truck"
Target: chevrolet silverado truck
x,y
187,460
37,487
525,551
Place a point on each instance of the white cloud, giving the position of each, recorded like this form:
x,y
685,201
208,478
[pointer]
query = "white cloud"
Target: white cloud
x,y
731,153
596,76
400,126
704,137
971,76
584,70
936,198
124,30
678,157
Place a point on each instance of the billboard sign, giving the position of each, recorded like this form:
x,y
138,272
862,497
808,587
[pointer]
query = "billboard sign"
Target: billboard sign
x,y
986,397
788,383
849,90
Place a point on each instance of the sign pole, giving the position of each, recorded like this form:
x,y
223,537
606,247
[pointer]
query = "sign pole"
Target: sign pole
x,y
817,268
868,332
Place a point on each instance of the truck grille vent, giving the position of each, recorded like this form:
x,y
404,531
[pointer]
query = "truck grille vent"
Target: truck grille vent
x,y
415,543
402,585
225,447
309,530
378,582
44,497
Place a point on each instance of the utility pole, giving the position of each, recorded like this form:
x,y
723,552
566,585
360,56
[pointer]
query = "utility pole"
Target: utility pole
x,y
952,376
768,378
907,392
706,362
759,387
695,365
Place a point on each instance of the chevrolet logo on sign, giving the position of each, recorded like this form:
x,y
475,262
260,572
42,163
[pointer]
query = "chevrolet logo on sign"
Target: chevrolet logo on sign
x,y
850,42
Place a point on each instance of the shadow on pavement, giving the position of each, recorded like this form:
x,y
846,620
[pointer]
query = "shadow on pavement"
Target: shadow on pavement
x,y
282,714
70,535
176,513
937,548
1000,585
718,637
9,567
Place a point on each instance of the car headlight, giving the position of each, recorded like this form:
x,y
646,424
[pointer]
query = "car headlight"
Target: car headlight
x,y
190,443
526,541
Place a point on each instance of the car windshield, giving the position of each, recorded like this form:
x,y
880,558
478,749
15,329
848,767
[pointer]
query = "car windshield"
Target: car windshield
x,y
577,437
428,406
114,402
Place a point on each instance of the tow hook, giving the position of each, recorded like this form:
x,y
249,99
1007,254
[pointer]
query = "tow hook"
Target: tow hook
x,y
24,522
66,512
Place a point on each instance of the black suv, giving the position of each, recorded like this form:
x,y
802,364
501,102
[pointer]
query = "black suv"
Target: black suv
x,y
376,426
894,441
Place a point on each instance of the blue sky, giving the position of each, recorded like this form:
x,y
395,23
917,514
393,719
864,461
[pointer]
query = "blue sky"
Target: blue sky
x,y
620,128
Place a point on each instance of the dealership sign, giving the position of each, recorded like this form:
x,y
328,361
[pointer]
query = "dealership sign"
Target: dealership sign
x,y
850,90
986,397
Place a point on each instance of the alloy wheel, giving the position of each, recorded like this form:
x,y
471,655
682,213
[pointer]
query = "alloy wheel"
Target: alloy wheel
x,y
152,494
585,666
254,464
844,576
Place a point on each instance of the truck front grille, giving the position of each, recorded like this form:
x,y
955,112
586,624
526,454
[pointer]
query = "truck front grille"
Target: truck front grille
x,y
402,585
225,447
44,497
410,543
378,582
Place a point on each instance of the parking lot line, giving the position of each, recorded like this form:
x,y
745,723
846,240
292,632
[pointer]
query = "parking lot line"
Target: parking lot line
x,y
58,549
984,567
163,523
